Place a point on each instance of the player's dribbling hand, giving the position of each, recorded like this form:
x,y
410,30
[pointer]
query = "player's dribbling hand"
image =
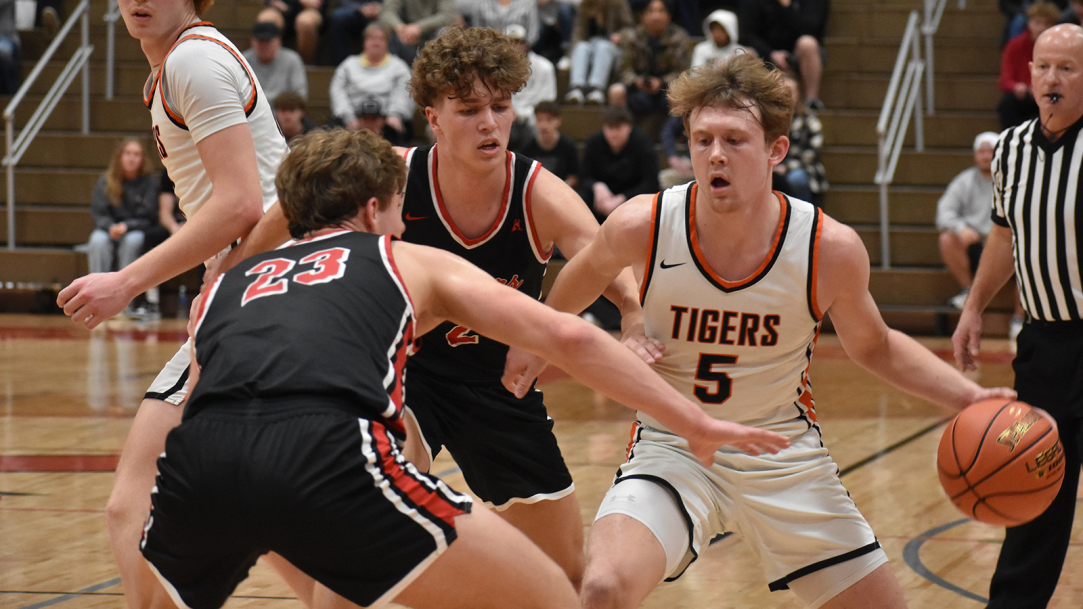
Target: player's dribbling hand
x,y
967,340
94,298
520,370
751,440
993,393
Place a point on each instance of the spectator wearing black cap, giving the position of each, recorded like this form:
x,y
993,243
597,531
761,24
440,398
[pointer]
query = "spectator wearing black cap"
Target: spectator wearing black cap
x,y
290,114
277,69
378,75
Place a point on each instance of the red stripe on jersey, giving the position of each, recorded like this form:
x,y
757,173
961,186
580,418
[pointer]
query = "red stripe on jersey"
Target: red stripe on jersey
x,y
500,216
535,169
418,494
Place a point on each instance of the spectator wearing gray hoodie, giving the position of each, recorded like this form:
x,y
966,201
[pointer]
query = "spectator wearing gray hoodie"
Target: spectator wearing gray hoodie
x,y
721,33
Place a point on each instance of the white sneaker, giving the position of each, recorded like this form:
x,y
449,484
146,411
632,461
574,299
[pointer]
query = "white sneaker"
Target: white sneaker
x,y
959,299
1014,328
596,97
575,96
565,63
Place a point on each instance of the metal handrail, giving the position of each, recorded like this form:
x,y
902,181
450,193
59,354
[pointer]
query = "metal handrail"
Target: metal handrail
x,y
110,19
934,10
898,106
78,62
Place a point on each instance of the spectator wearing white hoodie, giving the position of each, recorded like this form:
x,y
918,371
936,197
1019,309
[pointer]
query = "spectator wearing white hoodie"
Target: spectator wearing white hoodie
x,y
720,30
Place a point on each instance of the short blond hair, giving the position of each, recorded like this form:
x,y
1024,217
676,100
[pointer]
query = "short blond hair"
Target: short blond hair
x,y
447,65
328,176
741,82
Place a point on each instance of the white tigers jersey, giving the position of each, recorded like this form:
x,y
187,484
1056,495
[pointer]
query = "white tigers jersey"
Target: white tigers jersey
x,y
201,87
740,349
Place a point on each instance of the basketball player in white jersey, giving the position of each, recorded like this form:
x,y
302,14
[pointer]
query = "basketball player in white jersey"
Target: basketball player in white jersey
x,y
216,134
735,280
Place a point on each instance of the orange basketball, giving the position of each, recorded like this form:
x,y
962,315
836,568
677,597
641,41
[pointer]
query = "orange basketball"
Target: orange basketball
x,y
1001,462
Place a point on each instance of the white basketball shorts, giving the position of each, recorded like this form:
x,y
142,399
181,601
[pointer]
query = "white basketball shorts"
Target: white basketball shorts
x,y
171,384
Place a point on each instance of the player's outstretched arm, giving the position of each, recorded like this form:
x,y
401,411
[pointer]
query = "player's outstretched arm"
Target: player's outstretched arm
x,y
889,354
994,270
234,207
444,287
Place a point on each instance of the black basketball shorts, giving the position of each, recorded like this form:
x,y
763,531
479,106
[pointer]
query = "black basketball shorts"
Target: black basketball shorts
x,y
505,446
326,490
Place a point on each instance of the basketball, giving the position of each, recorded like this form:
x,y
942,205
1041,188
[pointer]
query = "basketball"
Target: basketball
x,y
1001,462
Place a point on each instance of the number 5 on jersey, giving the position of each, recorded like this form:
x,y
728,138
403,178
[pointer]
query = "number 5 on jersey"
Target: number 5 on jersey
x,y
705,371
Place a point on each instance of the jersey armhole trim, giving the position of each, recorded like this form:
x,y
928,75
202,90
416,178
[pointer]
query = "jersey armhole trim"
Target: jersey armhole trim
x,y
528,213
204,304
652,251
175,117
814,265
389,256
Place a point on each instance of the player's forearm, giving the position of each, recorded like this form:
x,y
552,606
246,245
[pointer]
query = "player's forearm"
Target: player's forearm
x,y
624,293
608,367
994,270
579,284
908,366
214,228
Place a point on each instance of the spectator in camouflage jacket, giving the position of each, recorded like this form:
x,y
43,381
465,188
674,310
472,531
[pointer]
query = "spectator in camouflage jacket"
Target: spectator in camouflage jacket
x,y
655,53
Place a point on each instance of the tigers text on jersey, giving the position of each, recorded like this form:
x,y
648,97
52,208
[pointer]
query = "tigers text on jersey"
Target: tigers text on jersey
x,y
203,86
740,349
326,320
509,251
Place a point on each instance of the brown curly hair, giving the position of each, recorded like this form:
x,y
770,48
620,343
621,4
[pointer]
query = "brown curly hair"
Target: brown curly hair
x,y
328,176
742,82
446,66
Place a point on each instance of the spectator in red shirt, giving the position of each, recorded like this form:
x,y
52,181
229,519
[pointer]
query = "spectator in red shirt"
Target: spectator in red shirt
x,y
1017,105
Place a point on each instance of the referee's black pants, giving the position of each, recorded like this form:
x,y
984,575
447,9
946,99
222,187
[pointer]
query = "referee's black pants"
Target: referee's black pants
x,y
1049,375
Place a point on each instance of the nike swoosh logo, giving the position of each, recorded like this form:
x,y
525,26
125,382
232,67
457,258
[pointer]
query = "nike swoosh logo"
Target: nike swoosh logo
x,y
669,266
410,216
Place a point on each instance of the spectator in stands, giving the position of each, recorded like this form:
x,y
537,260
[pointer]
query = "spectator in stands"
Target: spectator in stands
x,y
556,151
1015,15
170,219
540,87
10,72
371,116
675,149
299,21
277,69
790,34
595,48
654,55
345,25
1017,104
619,162
500,14
801,173
124,205
290,114
1073,14
963,217
376,75
720,31
415,22
557,20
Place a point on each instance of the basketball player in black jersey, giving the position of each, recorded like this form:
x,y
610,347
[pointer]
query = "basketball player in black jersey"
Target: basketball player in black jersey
x,y
289,438
470,196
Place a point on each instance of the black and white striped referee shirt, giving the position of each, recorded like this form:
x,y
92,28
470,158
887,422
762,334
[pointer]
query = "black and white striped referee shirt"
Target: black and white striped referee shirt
x,y
1036,184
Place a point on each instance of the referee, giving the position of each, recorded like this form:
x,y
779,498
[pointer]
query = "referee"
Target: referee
x,y
1037,180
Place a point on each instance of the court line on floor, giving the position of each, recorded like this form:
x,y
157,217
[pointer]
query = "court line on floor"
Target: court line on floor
x,y
912,558
68,597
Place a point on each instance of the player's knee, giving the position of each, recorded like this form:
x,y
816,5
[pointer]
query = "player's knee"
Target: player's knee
x,y
601,590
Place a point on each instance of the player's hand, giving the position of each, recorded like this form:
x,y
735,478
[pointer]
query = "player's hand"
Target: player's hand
x,y
967,339
94,298
520,370
717,434
994,393
648,349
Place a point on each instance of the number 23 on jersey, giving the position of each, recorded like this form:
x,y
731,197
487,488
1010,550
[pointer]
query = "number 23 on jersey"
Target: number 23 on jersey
x,y
327,265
